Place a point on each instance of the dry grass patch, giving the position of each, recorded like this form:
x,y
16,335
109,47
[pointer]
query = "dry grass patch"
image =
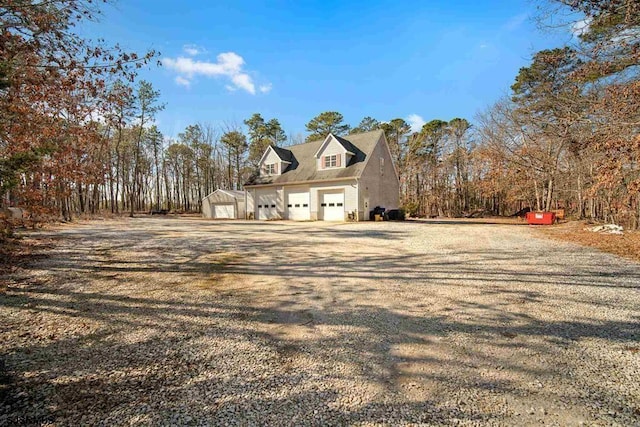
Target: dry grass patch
x,y
215,273
626,245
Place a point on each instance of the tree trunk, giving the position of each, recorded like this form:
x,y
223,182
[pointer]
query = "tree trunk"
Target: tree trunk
x,y
548,206
155,155
81,198
538,204
580,199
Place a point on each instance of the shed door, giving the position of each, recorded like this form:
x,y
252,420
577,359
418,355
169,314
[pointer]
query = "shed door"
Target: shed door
x,y
266,205
224,211
298,206
332,206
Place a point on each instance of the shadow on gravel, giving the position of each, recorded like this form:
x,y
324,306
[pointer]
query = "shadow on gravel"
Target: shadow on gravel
x,y
428,270
470,222
304,336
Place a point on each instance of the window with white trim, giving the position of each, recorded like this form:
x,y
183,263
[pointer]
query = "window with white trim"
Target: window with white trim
x,y
381,165
270,169
331,161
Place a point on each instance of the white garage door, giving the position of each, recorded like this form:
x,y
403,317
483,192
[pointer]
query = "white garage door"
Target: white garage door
x,y
298,206
224,211
332,206
266,205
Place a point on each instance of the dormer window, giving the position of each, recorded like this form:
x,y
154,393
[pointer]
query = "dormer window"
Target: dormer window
x,y
275,161
334,153
331,161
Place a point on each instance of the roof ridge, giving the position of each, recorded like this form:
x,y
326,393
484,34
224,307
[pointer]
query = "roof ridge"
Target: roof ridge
x,y
337,136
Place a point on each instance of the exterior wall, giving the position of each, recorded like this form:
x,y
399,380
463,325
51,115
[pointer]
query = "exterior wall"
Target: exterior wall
x,y
220,197
252,197
350,189
240,209
332,147
250,206
207,209
280,202
378,188
347,158
272,157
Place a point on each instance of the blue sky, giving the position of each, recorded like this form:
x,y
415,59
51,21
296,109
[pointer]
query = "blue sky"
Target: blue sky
x,y
225,60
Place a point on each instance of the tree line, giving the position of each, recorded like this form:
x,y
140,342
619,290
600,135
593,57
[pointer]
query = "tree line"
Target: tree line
x,y
77,130
569,136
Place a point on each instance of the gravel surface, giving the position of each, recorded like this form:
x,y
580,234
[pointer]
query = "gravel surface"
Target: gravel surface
x,y
160,321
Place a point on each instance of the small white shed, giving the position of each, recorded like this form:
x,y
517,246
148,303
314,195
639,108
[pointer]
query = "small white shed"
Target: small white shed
x,y
224,204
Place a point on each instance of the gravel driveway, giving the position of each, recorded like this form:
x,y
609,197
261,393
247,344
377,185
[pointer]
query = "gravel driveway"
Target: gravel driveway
x,y
195,322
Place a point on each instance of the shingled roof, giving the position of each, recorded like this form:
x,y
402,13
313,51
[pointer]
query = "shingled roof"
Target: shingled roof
x,y
284,154
303,165
225,196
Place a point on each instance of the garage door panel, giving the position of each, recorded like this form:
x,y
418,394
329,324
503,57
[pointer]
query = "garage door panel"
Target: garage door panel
x,y
266,205
298,206
224,211
332,206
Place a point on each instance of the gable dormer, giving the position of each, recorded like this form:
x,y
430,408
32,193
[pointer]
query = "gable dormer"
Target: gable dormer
x,y
334,153
275,161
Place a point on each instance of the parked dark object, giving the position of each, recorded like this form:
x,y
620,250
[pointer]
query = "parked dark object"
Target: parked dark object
x,y
159,212
522,212
394,215
476,214
376,211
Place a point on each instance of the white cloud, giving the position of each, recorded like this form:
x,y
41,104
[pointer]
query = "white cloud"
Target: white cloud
x,y
266,88
416,122
243,81
228,64
183,81
193,50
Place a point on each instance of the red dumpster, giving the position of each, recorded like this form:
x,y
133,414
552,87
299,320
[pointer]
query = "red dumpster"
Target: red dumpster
x,y
541,218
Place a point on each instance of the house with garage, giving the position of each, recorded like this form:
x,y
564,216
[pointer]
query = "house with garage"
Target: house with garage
x,y
224,204
331,179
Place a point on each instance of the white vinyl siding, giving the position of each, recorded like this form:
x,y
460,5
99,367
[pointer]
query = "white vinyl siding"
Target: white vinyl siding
x,y
334,153
271,164
378,185
348,188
